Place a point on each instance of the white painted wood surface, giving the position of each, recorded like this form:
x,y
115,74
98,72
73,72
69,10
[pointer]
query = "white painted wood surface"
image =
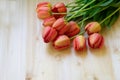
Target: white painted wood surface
x,y
24,56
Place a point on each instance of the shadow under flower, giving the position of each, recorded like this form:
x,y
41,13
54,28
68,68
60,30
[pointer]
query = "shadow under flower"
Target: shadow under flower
x,y
100,52
81,54
61,53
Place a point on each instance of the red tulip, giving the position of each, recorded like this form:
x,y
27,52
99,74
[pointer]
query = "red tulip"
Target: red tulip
x,y
60,25
79,43
62,42
49,21
64,29
73,30
49,34
59,8
93,27
95,40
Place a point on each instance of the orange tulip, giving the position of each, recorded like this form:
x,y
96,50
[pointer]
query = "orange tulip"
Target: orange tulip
x,y
62,42
79,43
43,13
93,27
49,21
73,30
95,40
49,34
43,10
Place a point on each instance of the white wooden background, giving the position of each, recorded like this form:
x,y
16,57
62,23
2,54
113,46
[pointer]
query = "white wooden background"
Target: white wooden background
x,y
24,56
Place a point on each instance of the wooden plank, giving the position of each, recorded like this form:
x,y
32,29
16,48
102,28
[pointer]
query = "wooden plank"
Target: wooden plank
x,y
45,63
24,55
12,40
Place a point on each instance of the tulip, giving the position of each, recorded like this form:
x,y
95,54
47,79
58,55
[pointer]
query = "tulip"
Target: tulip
x,y
49,21
62,42
93,27
45,4
49,34
60,25
95,40
42,14
73,30
43,8
79,43
59,8
64,29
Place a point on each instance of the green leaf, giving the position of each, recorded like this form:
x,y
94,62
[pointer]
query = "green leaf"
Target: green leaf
x,y
106,3
94,11
116,4
114,18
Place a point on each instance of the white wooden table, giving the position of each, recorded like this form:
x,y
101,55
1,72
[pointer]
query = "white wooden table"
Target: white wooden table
x,y
24,56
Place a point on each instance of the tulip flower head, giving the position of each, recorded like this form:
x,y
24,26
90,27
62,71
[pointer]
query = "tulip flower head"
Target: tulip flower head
x,y
49,34
59,8
61,26
95,40
73,30
79,43
62,42
49,21
93,27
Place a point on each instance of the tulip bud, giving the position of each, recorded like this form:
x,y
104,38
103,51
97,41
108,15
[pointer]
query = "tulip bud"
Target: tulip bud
x,y
60,25
49,21
73,30
93,27
43,8
59,8
95,40
42,14
49,34
79,43
45,4
62,42
64,29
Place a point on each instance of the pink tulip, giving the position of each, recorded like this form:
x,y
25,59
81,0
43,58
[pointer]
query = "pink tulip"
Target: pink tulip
x,y
62,42
79,43
49,34
73,30
49,21
95,40
93,27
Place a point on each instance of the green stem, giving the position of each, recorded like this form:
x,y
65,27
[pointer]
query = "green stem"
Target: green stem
x,y
110,15
59,13
71,6
70,3
80,9
92,15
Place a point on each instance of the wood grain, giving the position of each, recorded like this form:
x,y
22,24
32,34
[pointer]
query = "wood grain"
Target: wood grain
x,y
24,55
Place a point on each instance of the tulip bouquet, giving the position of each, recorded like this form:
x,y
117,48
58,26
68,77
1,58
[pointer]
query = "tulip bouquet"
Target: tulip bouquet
x,y
63,25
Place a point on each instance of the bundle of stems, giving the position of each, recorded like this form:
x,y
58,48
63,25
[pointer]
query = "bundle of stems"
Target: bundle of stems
x,y
106,12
